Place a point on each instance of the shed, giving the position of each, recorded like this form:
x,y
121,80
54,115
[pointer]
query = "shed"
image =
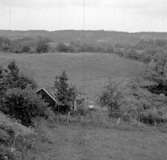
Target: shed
x,y
48,97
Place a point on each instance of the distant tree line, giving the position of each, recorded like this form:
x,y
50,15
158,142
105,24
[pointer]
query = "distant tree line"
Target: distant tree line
x,y
44,45
142,51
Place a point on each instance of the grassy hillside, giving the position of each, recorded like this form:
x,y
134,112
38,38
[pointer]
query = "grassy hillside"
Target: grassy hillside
x,y
88,71
90,143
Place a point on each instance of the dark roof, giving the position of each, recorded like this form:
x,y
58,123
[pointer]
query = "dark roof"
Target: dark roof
x,y
49,92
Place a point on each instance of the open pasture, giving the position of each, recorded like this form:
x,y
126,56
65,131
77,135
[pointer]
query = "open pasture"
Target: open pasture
x,y
91,143
88,71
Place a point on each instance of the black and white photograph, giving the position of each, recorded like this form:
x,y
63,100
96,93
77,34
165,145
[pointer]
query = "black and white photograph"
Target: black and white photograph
x,y
83,79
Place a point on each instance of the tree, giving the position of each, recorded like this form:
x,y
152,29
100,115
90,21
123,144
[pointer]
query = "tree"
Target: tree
x,y
157,69
15,79
64,92
110,98
11,77
23,104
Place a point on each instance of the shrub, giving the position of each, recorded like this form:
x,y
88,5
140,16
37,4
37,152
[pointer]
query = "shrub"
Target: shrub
x,y
23,105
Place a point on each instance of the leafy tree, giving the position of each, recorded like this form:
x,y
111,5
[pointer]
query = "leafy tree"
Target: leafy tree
x,y
64,93
23,104
157,69
110,98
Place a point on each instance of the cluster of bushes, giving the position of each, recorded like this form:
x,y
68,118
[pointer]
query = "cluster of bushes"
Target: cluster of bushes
x,y
126,99
141,99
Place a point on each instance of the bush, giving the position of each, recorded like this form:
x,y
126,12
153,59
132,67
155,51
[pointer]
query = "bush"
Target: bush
x,y
24,105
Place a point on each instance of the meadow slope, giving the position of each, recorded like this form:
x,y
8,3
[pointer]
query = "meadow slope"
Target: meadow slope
x,y
90,143
86,70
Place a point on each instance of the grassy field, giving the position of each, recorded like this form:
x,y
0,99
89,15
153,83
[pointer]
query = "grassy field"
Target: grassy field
x,y
86,70
69,142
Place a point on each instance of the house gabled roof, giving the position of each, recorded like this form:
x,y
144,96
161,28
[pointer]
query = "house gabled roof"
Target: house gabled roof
x,y
49,93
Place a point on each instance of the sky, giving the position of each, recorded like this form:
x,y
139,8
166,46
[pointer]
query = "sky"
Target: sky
x,y
119,15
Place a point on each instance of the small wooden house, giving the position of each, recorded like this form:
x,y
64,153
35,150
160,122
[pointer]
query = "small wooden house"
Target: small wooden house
x,y
48,97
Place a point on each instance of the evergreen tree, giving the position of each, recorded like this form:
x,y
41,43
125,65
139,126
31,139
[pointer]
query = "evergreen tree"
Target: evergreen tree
x,y
64,93
11,77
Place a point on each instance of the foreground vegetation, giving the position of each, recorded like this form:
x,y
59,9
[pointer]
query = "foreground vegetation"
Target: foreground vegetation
x,y
87,134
